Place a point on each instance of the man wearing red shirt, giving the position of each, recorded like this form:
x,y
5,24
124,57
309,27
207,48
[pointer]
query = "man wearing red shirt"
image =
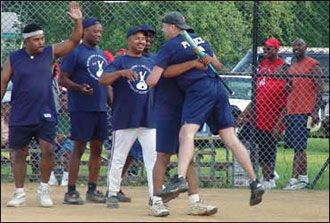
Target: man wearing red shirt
x,y
304,99
270,106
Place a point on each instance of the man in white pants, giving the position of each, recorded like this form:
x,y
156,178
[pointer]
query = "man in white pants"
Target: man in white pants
x,y
132,116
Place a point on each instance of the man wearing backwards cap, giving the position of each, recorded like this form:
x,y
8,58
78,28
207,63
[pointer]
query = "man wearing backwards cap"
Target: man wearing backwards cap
x,y
87,105
270,106
205,101
33,111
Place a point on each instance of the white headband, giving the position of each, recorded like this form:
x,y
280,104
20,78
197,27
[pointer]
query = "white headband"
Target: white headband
x,y
34,33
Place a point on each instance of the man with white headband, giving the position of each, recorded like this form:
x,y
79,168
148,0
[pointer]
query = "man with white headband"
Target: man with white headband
x,y
33,111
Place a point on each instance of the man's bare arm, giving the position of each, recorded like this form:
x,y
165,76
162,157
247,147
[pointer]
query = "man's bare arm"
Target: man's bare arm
x,y
5,77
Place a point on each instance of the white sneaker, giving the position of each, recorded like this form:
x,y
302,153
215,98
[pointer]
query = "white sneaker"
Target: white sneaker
x,y
199,208
43,196
65,179
18,200
268,185
158,209
294,184
276,176
52,179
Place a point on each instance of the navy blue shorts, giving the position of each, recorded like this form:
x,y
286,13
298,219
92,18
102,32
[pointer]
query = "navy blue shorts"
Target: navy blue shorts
x,y
20,136
296,132
207,101
86,126
167,136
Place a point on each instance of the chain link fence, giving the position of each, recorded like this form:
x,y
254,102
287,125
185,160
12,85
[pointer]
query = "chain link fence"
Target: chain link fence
x,y
237,31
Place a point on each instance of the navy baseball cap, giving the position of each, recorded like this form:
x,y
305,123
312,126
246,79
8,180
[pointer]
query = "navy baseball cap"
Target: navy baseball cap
x,y
90,22
133,30
148,28
177,19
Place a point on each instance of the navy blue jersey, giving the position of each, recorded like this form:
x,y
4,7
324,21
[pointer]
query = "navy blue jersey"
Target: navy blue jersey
x,y
168,100
176,51
132,100
32,97
85,65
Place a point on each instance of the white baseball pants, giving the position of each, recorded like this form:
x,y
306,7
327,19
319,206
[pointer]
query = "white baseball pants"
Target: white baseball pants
x,y
122,141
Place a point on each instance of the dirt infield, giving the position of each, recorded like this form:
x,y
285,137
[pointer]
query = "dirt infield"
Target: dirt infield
x,y
299,206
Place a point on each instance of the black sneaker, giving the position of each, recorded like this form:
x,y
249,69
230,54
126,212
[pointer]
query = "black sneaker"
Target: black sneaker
x,y
177,185
257,190
95,197
112,202
72,198
122,197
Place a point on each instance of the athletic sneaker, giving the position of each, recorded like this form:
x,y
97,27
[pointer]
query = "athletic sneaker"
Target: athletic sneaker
x,y
294,184
199,208
257,190
112,202
72,197
177,185
268,185
52,179
43,196
122,197
158,209
65,179
95,197
18,200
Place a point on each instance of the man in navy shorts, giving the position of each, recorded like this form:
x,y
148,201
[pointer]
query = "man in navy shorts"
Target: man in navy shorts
x,y
205,101
87,104
168,123
33,112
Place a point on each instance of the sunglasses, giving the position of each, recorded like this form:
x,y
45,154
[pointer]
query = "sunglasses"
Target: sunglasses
x,y
267,49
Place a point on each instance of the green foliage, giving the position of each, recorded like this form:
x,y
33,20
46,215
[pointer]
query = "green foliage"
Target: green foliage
x,y
226,25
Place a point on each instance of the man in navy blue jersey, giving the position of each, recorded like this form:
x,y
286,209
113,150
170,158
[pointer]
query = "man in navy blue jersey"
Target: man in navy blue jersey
x,y
205,100
132,116
87,104
33,112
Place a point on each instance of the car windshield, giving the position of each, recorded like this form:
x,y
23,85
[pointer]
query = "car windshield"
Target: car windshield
x,y
241,86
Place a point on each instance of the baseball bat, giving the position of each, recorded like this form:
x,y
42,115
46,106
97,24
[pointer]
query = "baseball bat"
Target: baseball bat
x,y
201,54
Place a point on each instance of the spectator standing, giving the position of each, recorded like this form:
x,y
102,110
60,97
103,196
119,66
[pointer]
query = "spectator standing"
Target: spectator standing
x,y
304,99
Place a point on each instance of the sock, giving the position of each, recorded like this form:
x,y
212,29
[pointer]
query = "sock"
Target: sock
x,y
193,198
91,187
20,190
44,184
155,199
71,188
303,178
293,180
110,194
181,176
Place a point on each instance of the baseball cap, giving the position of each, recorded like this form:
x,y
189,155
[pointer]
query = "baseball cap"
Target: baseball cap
x,y
90,22
148,28
272,42
133,30
176,18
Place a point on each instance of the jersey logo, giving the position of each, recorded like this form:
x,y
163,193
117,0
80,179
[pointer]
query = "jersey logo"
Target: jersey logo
x,y
197,40
140,86
95,64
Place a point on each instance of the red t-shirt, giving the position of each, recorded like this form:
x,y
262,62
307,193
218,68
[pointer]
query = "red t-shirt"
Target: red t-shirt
x,y
270,95
302,97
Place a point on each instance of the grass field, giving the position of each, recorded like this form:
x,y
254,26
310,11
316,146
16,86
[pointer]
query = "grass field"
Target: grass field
x,y
317,152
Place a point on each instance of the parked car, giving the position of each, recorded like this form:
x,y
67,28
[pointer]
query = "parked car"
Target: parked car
x,y
240,80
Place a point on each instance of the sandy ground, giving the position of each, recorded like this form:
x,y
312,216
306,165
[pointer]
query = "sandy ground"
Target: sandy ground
x,y
277,205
